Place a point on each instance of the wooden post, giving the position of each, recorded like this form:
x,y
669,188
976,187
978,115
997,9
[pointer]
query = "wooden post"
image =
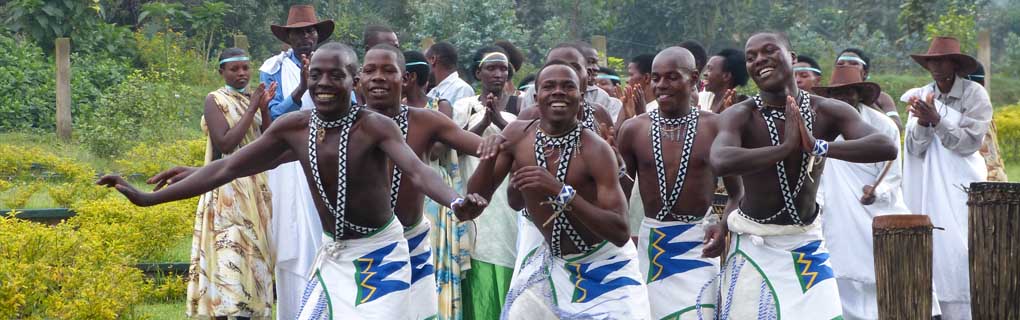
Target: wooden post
x,y
64,88
427,43
241,41
599,43
985,56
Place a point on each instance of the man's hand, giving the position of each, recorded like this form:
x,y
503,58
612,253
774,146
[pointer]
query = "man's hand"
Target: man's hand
x,y
491,146
536,179
170,176
792,139
728,99
139,198
868,197
925,110
715,236
303,84
471,207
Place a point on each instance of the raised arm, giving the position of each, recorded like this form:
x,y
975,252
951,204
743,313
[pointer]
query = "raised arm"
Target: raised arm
x,y
224,137
258,156
728,156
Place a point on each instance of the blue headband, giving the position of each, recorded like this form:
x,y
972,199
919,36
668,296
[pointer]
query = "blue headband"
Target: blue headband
x,y
416,63
852,58
232,59
815,70
608,76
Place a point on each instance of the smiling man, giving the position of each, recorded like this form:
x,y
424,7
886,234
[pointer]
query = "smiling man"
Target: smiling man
x,y
668,150
362,268
777,142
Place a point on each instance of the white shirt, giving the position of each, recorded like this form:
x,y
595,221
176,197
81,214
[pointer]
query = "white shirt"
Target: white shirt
x,y
452,88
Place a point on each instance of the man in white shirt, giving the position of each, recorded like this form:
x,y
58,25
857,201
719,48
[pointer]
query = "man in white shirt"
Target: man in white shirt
x,y
948,121
449,86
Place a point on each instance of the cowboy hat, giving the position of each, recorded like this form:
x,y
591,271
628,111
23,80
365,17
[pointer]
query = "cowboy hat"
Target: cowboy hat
x,y
947,47
302,16
850,77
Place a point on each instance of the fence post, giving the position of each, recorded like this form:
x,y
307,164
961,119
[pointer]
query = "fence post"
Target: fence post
x,y
599,43
985,57
241,41
63,88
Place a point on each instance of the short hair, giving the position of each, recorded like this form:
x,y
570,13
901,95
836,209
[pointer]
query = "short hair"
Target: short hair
x,y
810,61
230,53
388,47
569,45
860,53
527,79
611,72
781,36
415,63
445,53
345,51
557,62
698,51
476,60
372,31
733,63
515,55
643,62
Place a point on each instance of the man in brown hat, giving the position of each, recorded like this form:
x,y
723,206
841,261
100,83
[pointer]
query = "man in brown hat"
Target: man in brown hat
x,y
294,235
948,121
852,194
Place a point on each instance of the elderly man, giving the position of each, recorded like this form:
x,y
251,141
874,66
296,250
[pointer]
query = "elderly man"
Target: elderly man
x,y
295,228
948,121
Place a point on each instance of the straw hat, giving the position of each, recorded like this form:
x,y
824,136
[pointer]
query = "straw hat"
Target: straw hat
x,y
301,16
947,47
850,77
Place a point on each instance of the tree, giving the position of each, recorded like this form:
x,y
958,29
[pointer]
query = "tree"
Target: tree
x,y
206,21
467,24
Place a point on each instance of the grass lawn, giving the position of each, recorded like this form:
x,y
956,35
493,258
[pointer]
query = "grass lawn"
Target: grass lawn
x,y
1013,171
168,310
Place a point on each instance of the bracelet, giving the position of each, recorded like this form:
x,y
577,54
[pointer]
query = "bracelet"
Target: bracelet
x,y
566,195
821,148
456,202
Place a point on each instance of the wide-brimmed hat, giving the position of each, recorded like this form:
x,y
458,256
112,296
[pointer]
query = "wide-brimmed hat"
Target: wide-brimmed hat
x,y
850,77
947,47
301,16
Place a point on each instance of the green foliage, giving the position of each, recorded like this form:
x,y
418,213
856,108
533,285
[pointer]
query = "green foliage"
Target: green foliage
x,y
138,234
958,22
26,87
148,160
467,24
617,65
1007,121
1009,65
206,21
161,16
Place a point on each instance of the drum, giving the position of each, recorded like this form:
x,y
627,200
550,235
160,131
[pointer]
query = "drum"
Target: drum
x,y
903,266
994,250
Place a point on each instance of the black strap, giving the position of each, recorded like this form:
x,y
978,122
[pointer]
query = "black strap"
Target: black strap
x,y
511,105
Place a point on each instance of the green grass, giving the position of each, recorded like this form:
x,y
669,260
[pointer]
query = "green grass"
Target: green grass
x,y
1013,171
180,252
162,310
48,141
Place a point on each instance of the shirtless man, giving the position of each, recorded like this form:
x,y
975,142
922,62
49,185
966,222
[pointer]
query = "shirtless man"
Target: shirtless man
x,y
668,148
381,79
568,178
779,157
592,116
362,268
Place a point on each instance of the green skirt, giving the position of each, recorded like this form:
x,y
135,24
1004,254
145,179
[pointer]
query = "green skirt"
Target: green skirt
x,y
485,288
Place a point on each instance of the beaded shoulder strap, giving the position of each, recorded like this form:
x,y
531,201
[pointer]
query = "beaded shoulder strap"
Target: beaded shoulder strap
x,y
589,118
670,196
566,144
401,121
789,194
339,209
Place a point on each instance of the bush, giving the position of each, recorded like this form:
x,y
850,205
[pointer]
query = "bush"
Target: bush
x,y
138,234
148,160
27,98
28,168
1007,121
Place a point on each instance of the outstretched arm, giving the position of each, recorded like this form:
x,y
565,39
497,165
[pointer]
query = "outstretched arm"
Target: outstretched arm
x,y
253,158
459,139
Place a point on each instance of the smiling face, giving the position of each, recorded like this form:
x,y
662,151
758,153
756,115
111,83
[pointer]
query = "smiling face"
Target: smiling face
x,y
591,57
236,74
673,79
558,94
303,40
806,80
714,77
769,62
330,81
381,78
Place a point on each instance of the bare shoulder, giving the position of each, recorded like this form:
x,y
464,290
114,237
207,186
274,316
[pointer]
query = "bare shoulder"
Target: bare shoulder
x,y
635,123
292,120
518,129
830,107
528,114
738,112
595,147
426,115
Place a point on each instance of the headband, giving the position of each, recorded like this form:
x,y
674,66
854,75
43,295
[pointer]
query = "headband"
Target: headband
x,y
232,59
976,76
525,87
416,63
815,70
608,76
852,58
493,57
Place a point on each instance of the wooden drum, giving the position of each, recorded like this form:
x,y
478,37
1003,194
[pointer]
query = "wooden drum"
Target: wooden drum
x,y
903,266
994,250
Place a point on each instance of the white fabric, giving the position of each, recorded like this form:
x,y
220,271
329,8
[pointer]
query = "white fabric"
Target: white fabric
x,y
705,100
777,272
614,107
859,299
497,224
295,225
847,222
451,89
423,275
364,278
933,184
635,210
602,284
676,274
